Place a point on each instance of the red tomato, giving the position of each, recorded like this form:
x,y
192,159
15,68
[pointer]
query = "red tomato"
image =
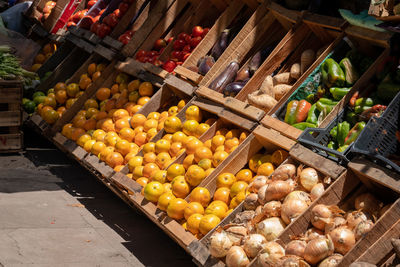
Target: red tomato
x,y
195,41
76,17
103,30
197,31
71,23
188,39
185,56
169,66
86,22
102,11
117,13
179,63
205,31
124,38
160,43
96,18
140,53
175,55
187,48
179,44
182,36
152,53
123,7
130,33
111,20
95,26
170,39
91,3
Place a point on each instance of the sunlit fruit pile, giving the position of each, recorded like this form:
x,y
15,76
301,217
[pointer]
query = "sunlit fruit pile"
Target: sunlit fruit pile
x,y
47,51
106,126
48,7
273,202
182,48
62,96
78,15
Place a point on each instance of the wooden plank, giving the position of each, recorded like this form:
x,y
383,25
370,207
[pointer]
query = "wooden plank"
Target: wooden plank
x,y
180,85
205,92
105,52
238,120
188,74
10,94
244,109
282,127
10,143
324,21
130,66
274,137
10,118
374,37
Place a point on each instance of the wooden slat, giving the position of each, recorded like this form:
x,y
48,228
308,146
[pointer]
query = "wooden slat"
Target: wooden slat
x,y
205,92
10,118
11,142
179,85
374,37
274,137
188,74
10,94
324,21
281,127
244,109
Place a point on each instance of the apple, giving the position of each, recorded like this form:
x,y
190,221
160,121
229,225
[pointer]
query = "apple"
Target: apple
x,y
195,41
169,66
160,43
197,31
179,44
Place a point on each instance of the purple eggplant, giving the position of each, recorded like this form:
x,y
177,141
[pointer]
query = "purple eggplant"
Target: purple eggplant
x,y
255,63
243,75
204,64
225,78
234,88
221,44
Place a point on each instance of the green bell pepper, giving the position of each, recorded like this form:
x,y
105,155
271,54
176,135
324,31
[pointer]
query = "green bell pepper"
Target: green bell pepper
x,y
338,93
325,103
364,102
332,145
354,132
290,116
303,125
334,132
350,72
332,73
361,109
352,117
312,115
342,132
342,148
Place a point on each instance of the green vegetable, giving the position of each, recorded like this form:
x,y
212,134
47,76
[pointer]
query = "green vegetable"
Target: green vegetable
x,y
29,106
332,145
38,93
338,93
388,90
303,125
301,112
351,117
332,74
312,116
361,109
290,117
342,132
325,103
328,101
350,72
342,148
354,132
364,102
39,99
333,132
311,98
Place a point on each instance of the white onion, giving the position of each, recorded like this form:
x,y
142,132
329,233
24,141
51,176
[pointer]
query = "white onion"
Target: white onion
x,y
313,233
284,172
320,215
309,178
362,228
257,183
301,195
262,191
343,239
220,244
236,233
331,261
292,261
236,257
251,201
272,209
296,247
355,217
253,243
317,191
277,190
367,202
292,209
318,249
335,223
270,255
259,210
271,228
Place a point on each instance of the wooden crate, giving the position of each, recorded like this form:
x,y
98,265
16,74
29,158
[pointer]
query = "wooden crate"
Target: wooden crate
x,y
11,138
258,33
342,193
270,140
370,42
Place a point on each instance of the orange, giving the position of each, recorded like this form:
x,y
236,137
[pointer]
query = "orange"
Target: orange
x,y
122,99
146,89
138,129
153,115
189,127
167,187
172,124
140,138
238,187
179,137
208,222
91,112
103,94
76,133
208,143
222,131
72,89
111,140
114,89
143,181
105,152
70,102
194,175
192,145
135,162
164,115
100,67
222,194
230,144
172,111
176,208
162,145
235,133
217,210
119,168
201,129
265,169
114,158
121,78
96,75
257,160
181,104
60,86
121,123
216,141
79,121
193,113
163,159
88,145
84,83
149,169
98,132
133,96
188,161
143,100
66,129
123,147
130,155
122,87
91,103
225,180
91,69
242,137
167,137
192,208
107,125
279,156
127,133
83,139
138,120
218,157
109,104
202,153
209,171
149,147
133,85
244,175
137,172
51,116
164,200
149,158
193,223
97,148
159,176
36,67
180,188
50,101
205,164
153,191
61,96
176,149
175,170
120,114
200,195
151,123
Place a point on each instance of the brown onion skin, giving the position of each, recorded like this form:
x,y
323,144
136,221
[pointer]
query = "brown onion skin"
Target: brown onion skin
x,y
284,172
277,190
355,217
320,215
236,257
292,209
257,183
318,249
272,209
343,239
367,202
296,248
331,261
251,201
363,228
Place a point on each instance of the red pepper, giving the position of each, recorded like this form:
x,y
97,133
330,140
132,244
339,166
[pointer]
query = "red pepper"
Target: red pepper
x,y
302,110
353,99
376,110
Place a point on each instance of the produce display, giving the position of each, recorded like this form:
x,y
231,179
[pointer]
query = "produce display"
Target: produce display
x,y
182,46
10,68
275,199
47,51
48,7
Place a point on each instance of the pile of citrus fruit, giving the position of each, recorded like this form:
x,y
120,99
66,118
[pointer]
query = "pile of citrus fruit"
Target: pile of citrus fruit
x,y
47,51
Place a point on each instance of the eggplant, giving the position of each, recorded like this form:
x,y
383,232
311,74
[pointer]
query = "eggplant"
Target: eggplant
x,y
225,78
255,63
243,75
221,44
234,88
204,64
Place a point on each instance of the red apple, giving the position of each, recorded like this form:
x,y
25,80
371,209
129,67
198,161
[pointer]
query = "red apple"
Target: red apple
x,y
170,39
182,36
169,66
123,7
160,43
103,30
195,41
179,44
205,31
197,31
187,48
140,53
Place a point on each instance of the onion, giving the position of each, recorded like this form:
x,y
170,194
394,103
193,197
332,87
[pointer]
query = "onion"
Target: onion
x,y
309,178
284,172
262,191
317,191
318,249
313,233
301,195
343,239
251,201
367,202
292,209
244,217
271,228
292,261
219,244
253,244
331,261
362,228
236,233
384,209
272,209
296,247
335,223
257,183
320,215
270,255
355,217
236,257
277,190
259,210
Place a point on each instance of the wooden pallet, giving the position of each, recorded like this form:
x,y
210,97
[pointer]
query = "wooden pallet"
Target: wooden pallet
x,y
377,47
270,141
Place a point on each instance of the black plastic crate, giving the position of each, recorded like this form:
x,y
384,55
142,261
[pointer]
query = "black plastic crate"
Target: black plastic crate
x,y
378,139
